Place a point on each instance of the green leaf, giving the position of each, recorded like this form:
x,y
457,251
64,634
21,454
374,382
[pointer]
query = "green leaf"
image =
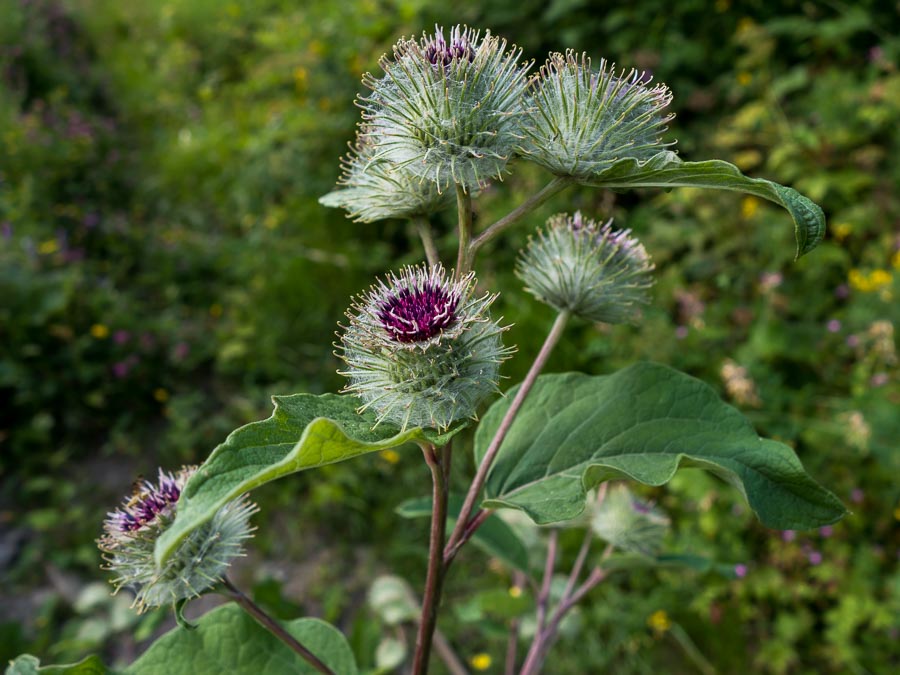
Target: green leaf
x,y
304,432
575,431
228,640
667,170
30,665
494,537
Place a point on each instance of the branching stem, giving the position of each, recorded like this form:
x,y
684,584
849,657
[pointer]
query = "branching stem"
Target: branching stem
x,y
553,187
463,523
431,598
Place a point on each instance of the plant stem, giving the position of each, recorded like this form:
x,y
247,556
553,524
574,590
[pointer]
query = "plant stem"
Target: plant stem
x,y
448,656
427,237
274,627
462,523
431,598
553,187
466,250
544,596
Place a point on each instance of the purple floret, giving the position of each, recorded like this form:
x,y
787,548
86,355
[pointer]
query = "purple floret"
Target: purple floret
x,y
417,314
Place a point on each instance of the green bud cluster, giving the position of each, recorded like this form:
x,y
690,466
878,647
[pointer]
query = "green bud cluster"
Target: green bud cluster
x,y
590,270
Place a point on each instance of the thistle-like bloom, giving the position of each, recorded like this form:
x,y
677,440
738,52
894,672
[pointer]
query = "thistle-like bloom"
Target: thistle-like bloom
x,y
448,111
582,121
421,350
628,522
590,270
131,531
372,189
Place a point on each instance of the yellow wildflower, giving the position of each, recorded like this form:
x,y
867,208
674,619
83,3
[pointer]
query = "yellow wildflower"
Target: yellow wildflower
x,y
161,394
659,621
48,247
99,331
390,456
895,261
842,231
481,661
880,278
515,591
744,79
749,207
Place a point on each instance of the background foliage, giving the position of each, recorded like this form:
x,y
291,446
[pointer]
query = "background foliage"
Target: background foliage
x,y
165,268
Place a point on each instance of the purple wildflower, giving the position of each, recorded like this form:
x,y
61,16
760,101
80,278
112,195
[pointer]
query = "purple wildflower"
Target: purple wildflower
x,y
857,496
681,332
814,557
826,531
120,337
419,312
833,326
740,570
788,536
439,53
147,503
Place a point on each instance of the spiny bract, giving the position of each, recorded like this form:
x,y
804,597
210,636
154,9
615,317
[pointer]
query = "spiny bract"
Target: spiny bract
x,y
421,350
591,270
131,531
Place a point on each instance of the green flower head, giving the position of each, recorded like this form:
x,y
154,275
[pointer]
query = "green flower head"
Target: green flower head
x,y
591,270
448,110
131,531
581,121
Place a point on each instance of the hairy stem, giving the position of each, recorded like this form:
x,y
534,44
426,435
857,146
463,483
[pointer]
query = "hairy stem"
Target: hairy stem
x,y
462,524
273,627
553,187
466,251
425,234
431,598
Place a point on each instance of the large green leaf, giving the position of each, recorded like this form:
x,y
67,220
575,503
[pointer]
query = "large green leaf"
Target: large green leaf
x,y
494,537
31,665
575,431
227,640
304,432
667,170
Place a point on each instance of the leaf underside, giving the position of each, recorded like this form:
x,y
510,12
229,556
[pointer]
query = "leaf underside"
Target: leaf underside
x,y
667,170
305,431
641,423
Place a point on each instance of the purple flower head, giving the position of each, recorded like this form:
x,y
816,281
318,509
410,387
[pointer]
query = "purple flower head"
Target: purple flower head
x,y
814,557
788,535
120,337
147,503
419,312
834,325
421,349
857,496
740,570
439,53
826,531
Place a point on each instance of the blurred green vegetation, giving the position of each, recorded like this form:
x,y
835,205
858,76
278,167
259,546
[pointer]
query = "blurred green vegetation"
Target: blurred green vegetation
x,y
165,267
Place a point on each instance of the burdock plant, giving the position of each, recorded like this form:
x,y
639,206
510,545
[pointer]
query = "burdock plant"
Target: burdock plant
x,y
422,355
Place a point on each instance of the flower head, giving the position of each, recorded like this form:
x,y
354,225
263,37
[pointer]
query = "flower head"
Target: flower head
x,y
448,111
629,523
582,121
421,350
372,189
131,531
591,270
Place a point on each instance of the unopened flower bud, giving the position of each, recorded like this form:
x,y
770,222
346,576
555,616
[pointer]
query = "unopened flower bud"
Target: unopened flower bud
x,y
590,270
581,121
198,564
448,111
421,350
372,189
629,523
